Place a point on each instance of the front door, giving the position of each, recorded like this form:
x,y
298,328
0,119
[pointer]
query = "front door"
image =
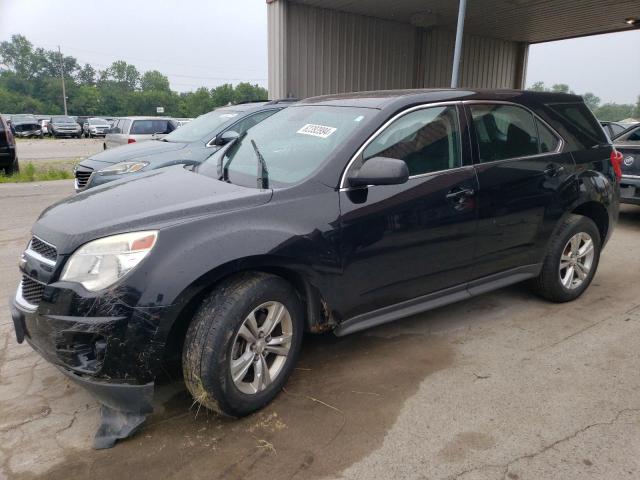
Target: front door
x,y
403,241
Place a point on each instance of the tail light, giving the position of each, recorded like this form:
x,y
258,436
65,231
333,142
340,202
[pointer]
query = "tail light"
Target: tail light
x,y
131,140
616,161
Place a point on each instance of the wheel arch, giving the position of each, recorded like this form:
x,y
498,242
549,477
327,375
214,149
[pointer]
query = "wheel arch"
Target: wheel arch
x,y
318,316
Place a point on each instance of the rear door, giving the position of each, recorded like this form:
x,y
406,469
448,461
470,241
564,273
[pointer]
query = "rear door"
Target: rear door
x,y
520,171
400,242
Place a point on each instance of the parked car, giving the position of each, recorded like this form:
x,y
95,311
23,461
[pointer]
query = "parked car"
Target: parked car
x,y
137,129
95,127
613,129
8,154
44,125
64,126
628,144
26,126
187,145
338,214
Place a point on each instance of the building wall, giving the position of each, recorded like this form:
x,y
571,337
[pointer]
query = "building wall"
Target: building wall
x,y
315,51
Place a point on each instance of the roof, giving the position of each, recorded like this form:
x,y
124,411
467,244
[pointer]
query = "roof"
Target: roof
x,y
381,98
528,21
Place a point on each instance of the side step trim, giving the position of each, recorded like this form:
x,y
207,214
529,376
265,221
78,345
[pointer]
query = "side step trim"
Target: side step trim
x,y
437,299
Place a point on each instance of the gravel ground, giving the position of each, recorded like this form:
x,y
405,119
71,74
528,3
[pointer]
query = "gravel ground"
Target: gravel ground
x,y
47,149
504,386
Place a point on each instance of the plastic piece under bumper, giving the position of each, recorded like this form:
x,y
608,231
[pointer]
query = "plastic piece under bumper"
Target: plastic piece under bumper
x,y
630,190
124,406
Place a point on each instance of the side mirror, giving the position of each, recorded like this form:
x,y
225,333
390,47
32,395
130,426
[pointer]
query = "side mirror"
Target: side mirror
x,y
380,171
226,137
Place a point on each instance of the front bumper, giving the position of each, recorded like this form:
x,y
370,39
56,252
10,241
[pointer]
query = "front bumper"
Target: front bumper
x,y
113,357
630,190
29,133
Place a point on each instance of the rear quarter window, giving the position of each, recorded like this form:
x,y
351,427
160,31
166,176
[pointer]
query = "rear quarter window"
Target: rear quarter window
x,y
149,127
578,120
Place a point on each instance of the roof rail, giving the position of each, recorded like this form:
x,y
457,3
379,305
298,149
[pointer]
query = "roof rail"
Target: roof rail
x,y
283,100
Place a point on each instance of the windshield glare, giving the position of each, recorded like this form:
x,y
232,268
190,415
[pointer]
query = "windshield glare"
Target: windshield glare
x,y
203,126
294,143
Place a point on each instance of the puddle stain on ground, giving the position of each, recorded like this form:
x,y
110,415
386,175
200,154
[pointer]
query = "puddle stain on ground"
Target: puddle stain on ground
x,y
336,408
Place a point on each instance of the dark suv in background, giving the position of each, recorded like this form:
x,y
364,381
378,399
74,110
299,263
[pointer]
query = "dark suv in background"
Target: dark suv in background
x,y
188,145
8,154
628,144
337,213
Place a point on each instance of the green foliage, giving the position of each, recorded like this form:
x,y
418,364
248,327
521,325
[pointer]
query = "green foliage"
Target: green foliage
x,y
612,112
31,173
31,84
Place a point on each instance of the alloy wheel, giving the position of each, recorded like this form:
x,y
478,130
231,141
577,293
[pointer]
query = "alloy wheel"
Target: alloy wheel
x,y
576,260
261,347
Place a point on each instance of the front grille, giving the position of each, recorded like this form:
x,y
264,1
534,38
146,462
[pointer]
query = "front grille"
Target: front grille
x,y
43,248
83,174
31,290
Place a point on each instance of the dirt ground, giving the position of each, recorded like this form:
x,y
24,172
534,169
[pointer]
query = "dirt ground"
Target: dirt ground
x,y
504,386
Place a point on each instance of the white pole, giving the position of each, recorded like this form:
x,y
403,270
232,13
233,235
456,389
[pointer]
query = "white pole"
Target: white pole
x,y
64,93
455,76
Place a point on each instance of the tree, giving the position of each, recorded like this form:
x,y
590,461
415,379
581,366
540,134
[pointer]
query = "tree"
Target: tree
x,y
538,87
614,112
87,100
223,95
86,75
591,101
561,88
121,73
154,80
245,92
17,54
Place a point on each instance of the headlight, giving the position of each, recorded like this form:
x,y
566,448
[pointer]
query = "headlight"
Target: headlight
x,y
123,167
101,263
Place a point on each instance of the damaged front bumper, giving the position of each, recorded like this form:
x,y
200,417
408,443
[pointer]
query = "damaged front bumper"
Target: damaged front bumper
x,y
111,356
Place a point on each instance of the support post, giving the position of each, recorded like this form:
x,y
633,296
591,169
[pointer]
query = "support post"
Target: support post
x,y
457,53
64,93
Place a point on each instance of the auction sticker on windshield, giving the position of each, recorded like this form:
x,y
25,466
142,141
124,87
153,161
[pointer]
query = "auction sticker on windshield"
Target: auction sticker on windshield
x,y
316,130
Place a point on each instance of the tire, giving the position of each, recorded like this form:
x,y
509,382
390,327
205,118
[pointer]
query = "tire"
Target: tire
x,y
549,284
214,339
13,168
104,146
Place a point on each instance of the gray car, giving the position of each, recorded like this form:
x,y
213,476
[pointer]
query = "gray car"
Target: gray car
x,y
138,129
96,127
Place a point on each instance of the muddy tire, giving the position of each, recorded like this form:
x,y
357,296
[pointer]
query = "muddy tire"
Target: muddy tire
x,y
243,343
571,261
13,168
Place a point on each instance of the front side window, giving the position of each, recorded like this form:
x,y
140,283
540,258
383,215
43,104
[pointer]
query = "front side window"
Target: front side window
x,y
504,131
251,120
427,140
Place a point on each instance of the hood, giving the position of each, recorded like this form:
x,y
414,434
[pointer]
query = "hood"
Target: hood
x,y
136,151
63,124
149,201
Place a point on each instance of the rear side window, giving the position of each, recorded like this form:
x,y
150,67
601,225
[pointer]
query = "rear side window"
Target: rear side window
x,y
504,131
632,136
580,122
548,140
149,127
427,140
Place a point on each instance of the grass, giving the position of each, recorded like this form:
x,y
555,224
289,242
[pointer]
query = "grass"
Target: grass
x,y
32,172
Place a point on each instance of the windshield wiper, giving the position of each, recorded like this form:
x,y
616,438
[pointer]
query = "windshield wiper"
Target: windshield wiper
x,y
263,173
223,168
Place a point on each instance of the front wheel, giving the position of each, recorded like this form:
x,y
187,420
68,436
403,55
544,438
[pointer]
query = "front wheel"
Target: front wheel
x,y
243,343
571,261
13,168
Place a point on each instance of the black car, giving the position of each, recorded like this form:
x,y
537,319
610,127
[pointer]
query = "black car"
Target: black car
x,y
26,126
187,145
628,144
64,126
8,155
338,214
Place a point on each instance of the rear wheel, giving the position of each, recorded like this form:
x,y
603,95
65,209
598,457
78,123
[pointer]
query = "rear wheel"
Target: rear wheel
x,y
243,343
571,261
13,168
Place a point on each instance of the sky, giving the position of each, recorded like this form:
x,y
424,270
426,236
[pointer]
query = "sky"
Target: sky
x,y
210,42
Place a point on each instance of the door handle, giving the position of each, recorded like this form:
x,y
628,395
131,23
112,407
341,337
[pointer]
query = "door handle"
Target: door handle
x,y
458,193
553,170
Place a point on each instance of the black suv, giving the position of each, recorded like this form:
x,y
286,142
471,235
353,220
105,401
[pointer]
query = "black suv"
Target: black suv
x,y
8,156
188,145
338,213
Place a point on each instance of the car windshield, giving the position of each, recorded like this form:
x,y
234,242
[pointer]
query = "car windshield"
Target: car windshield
x,y
294,142
98,121
205,126
62,120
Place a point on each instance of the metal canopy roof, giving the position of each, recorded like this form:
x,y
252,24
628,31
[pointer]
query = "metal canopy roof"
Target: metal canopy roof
x,y
529,21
